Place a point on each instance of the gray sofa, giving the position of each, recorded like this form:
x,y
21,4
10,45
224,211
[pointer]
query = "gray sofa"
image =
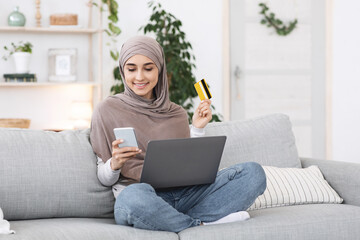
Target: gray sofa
x,y
49,188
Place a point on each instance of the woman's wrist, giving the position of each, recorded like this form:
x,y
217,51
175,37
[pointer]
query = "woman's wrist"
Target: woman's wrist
x,y
113,166
197,129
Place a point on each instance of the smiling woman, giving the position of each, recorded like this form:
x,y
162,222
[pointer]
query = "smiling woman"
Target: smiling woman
x,y
145,106
141,75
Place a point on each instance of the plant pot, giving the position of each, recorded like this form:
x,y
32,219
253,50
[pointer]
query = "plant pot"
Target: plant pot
x,y
22,61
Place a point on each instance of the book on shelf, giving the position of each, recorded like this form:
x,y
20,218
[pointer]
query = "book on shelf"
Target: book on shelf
x,y
20,77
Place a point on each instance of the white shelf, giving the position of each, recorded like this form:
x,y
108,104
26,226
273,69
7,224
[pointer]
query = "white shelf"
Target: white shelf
x,y
46,84
50,30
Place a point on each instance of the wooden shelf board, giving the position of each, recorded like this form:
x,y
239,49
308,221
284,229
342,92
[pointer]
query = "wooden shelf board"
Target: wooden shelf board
x,y
50,30
45,84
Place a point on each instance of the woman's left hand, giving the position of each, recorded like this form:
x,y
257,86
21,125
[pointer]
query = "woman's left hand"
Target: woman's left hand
x,y
202,114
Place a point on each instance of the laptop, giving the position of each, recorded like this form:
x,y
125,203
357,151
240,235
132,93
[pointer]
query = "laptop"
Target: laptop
x,y
182,162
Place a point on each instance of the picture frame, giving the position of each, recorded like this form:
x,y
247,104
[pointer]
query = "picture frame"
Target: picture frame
x,y
62,64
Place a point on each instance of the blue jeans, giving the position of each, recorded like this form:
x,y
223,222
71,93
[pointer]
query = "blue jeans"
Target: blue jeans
x,y
234,189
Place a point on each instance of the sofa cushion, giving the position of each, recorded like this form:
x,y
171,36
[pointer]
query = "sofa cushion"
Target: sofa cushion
x,y
46,174
310,222
267,140
80,229
295,186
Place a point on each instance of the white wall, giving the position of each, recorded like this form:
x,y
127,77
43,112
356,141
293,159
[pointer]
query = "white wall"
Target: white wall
x,y
346,81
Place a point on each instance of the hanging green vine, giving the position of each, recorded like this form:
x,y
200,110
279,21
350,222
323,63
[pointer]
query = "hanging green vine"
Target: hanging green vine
x,y
113,31
271,21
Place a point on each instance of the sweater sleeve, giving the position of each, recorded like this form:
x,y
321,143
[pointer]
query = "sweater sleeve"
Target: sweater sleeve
x,y
106,175
197,132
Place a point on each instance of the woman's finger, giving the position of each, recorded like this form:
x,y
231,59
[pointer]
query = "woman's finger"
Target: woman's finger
x,y
128,149
204,108
206,101
115,144
129,154
205,112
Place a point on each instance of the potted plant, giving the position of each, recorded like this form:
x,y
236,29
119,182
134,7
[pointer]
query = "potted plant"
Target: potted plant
x,y
21,53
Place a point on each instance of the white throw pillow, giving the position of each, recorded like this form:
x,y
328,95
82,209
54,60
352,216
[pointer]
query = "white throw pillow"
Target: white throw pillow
x,y
4,225
295,186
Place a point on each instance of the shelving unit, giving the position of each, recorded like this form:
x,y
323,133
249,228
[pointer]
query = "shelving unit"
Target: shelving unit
x,y
94,48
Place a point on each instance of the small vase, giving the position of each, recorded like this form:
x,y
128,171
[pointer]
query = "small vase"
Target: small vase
x,y
22,61
16,18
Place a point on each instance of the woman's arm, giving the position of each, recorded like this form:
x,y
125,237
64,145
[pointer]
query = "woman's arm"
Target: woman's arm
x,y
106,175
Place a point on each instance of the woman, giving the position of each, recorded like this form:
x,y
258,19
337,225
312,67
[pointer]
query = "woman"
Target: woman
x,y
145,106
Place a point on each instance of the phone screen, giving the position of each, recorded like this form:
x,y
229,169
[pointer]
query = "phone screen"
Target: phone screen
x,y
128,135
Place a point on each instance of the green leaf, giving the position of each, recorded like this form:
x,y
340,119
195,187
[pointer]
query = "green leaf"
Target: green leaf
x,y
116,30
113,18
114,55
107,31
278,22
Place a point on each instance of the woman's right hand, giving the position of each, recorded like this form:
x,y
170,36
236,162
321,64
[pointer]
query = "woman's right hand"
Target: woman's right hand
x,y
121,155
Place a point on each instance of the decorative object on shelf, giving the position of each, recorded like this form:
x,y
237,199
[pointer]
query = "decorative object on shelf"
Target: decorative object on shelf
x,y
64,19
179,59
21,54
271,21
62,64
22,77
16,18
38,14
14,122
81,112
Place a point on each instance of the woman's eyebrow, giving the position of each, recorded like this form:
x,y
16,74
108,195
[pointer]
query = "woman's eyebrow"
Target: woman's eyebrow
x,y
133,64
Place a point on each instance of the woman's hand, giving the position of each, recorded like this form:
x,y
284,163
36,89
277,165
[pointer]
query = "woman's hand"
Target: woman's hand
x,y
202,114
121,155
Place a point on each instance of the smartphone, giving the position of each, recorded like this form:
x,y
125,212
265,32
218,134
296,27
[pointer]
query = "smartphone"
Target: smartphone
x,y
128,135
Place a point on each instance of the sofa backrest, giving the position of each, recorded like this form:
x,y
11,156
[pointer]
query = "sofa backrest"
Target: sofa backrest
x,y
267,140
47,174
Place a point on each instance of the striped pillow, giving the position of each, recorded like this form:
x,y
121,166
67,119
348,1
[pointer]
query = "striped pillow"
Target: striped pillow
x,y
294,186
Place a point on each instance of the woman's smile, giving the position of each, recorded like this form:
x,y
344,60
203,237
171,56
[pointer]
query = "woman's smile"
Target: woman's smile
x,y
141,85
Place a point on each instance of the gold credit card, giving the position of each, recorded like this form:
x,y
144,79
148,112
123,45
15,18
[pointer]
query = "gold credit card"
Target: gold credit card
x,y
202,90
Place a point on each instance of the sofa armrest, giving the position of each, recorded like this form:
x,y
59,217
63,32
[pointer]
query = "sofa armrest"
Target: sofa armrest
x,y
344,177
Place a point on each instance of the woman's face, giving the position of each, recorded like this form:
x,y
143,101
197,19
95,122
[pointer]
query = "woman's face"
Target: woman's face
x,y
141,75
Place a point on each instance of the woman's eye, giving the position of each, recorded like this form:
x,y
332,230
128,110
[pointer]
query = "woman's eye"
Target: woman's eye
x,y
131,69
148,69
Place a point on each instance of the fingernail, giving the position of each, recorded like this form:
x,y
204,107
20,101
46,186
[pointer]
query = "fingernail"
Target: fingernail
x,y
121,140
140,150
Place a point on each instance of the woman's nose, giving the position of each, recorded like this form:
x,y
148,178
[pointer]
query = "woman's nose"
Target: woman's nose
x,y
139,75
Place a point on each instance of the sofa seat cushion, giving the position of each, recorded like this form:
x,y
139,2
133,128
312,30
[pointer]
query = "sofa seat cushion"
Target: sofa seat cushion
x,y
267,140
315,221
80,229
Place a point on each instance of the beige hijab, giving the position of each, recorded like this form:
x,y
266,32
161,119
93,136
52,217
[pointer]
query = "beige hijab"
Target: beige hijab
x,y
152,119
